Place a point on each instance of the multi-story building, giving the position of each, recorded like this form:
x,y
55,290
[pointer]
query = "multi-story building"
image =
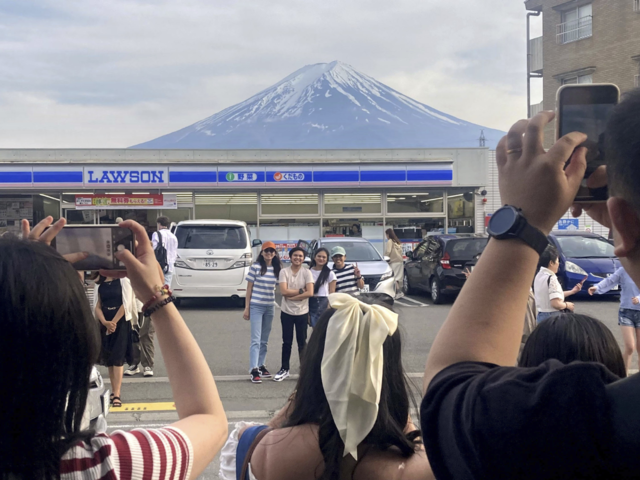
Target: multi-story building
x,y
584,41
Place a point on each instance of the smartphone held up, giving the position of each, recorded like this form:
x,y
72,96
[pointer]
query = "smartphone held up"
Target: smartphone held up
x,y
586,108
100,242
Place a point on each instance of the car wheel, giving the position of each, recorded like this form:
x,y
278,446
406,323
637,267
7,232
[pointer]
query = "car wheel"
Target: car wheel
x,y
436,294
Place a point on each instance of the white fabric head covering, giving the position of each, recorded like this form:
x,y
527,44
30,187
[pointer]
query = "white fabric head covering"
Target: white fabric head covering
x,y
352,365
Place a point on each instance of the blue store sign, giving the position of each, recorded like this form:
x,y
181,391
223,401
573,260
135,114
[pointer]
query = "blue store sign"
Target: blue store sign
x,y
568,224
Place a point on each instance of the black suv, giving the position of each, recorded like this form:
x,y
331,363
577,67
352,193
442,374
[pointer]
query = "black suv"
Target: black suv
x,y
437,264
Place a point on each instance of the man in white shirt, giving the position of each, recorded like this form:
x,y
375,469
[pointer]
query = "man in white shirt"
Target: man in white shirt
x,y
144,351
170,242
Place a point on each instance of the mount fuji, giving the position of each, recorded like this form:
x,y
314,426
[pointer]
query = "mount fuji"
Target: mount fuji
x,y
327,106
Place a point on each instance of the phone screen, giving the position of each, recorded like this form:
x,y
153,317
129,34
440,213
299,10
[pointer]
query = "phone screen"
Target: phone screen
x,y
100,242
586,108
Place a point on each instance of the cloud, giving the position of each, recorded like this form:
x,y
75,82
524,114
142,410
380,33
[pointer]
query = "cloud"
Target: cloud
x,y
88,73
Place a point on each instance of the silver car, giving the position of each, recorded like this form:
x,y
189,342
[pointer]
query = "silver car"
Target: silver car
x,y
97,407
378,275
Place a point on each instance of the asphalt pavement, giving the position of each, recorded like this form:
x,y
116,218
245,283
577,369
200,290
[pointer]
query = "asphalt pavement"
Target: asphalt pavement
x,y
223,336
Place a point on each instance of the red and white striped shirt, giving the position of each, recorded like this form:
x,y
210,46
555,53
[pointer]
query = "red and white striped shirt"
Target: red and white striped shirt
x,y
149,454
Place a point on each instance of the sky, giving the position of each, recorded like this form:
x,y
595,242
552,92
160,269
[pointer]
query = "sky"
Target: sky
x,y
97,74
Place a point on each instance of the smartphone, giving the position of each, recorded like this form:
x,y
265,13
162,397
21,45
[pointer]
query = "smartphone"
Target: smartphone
x,y
101,242
586,108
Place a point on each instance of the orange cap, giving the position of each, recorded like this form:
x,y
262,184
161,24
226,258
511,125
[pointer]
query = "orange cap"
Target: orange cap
x,y
266,245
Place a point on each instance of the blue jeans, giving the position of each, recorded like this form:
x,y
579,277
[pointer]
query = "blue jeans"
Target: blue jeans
x,y
317,306
544,315
261,317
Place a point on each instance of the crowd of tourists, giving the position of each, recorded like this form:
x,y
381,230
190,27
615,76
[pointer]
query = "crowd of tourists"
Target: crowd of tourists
x,y
567,409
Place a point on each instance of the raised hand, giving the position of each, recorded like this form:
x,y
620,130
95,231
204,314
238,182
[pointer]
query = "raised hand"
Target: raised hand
x,y
40,233
535,180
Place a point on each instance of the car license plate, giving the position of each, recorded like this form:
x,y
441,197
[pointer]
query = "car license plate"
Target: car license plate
x,y
209,263
365,289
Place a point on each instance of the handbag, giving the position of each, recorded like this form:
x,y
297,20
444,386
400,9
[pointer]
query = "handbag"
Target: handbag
x,y
262,431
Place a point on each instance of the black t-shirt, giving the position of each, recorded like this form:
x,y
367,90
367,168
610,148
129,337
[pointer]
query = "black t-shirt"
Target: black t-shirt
x,y
481,421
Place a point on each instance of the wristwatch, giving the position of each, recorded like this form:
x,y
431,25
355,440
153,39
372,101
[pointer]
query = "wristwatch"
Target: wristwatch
x,y
301,291
508,222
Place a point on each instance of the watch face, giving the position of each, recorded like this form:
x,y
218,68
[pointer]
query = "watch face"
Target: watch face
x,y
502,221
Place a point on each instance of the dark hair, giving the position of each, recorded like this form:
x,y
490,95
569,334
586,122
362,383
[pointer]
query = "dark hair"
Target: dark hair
x,y
623,148
277,265
297,249
392,236
324,273
549,255
49,343
310,404
569,337
164,221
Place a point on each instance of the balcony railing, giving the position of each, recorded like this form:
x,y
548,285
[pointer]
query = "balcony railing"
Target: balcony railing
x,y
574,30
535,109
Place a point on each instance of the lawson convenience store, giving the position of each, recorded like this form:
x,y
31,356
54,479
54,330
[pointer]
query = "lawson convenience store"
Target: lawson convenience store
x,y
283,195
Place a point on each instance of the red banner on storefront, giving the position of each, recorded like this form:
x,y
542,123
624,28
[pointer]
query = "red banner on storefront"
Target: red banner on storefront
x,y
113,202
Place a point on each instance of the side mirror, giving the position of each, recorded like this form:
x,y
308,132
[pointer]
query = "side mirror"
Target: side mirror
x,y
386,258
256,243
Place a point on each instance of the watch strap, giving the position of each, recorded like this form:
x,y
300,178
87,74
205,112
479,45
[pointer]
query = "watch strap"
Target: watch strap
x,y
531,236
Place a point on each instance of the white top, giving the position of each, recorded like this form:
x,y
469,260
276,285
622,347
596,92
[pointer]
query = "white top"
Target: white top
x,y
546,287
295,281
170,242
323,291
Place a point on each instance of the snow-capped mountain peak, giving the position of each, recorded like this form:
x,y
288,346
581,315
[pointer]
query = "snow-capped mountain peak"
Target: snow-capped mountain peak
x,y
327,105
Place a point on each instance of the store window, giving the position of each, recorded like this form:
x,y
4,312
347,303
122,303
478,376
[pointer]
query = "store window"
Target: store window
x,y
289,204
411,231
370,228
341,203
13,208
461,210
286,233
424,202
231,206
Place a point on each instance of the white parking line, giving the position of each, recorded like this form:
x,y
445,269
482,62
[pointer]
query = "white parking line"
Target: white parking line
x,y
414,304
415,301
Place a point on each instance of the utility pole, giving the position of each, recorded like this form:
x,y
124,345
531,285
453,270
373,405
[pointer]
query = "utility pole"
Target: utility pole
x,y
482,139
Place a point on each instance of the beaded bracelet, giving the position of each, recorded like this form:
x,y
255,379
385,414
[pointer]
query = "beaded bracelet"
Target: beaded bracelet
x,y
160,292
158,306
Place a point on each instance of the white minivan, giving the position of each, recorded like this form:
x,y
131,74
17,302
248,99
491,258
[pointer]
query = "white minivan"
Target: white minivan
x,y
214,257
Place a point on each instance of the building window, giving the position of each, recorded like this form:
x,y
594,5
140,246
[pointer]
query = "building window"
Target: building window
x,y
340,203
294,204
578,79
461,210
576,24
229,206
416,202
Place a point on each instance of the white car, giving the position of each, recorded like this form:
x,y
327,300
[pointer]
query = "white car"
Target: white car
x,y
97,409
377,273
214,257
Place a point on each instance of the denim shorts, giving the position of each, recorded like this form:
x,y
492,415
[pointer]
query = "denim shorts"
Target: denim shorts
x,y
629,318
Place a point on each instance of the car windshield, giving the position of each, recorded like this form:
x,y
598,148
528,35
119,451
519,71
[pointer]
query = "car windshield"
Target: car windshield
x,y
219,237
465,248
575,246
357,251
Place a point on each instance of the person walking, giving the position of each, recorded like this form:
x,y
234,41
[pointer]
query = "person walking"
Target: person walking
x,y
629,313
393,250
324,283
260,307
144,350
296,287
550,298
349,279
115,307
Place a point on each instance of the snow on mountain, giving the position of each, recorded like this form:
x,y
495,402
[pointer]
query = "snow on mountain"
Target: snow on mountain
x,y
327,105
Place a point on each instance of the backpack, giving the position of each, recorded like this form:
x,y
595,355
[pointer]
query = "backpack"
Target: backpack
x,y
161,253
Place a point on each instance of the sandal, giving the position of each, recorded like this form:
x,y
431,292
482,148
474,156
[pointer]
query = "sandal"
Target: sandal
x,y
116,402
111,399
